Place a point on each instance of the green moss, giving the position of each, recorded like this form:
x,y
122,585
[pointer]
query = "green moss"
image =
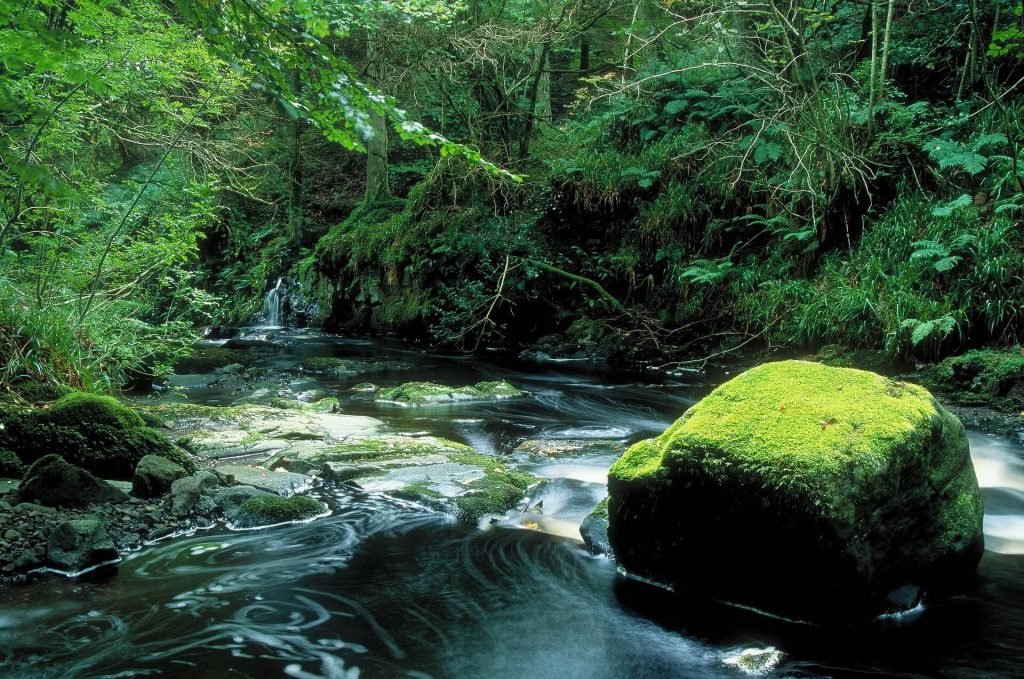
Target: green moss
x,y
844,480
981,377
641,460
601,510
418,491
261,511
788,421
80,408
492,494
431,393
499,489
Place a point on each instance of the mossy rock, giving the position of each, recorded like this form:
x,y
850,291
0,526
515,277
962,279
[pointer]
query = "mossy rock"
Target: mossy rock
x,y
96,433
981,377
92,409
207,360
841,485
267,511
430,393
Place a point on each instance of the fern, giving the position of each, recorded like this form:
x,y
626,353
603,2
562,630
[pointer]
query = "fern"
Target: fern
x,y
950,154
937,329
947,209
927,249
705,272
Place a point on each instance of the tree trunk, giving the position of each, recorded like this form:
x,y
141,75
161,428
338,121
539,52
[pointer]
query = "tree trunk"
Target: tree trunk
x,y
377,181
531,112
295,180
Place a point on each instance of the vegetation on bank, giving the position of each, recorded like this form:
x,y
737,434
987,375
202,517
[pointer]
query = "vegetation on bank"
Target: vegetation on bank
x,y
636,180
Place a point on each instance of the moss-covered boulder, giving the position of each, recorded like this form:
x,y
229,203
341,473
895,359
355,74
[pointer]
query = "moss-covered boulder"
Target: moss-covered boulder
x,y
268,511
92,409
801,489
97,433
430,393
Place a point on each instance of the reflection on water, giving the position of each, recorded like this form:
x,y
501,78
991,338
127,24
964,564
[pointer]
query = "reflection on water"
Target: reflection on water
x,y
384,589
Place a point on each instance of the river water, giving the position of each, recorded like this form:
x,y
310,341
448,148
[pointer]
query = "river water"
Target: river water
x,y
383,588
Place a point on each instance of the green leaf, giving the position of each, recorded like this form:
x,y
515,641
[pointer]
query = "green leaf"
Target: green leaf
x,y
766,152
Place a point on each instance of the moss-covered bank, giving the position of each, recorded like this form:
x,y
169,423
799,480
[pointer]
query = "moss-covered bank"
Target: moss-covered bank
x,y
94,432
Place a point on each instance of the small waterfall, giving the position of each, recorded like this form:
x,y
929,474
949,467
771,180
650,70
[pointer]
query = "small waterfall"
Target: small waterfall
x,y
273,306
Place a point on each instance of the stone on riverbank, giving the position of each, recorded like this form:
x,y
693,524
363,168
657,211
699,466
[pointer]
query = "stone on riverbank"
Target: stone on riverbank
x,y
283,483
186,493
154,476
840,485
79,544
54,482
430,393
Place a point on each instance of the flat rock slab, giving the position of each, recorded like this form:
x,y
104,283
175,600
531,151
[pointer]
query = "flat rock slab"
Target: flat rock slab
x,y
438,473
432,394
281,483
569,447
255,431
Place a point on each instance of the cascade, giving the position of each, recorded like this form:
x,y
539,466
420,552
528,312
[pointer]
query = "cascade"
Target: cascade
x,y
273,306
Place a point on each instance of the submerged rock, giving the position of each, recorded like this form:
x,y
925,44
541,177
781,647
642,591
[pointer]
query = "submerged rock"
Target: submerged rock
x,y
568,447
78,544
430,393
755,662
350,367
207,359
801,489
54,482
440,474
594,529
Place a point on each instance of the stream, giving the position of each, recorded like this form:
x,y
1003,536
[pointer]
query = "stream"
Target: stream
x,y
385,588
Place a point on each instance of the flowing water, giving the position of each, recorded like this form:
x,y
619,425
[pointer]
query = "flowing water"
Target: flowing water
x,y
386,589
273,306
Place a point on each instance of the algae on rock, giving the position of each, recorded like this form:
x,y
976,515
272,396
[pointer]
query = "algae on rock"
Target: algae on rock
x,y
841,484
